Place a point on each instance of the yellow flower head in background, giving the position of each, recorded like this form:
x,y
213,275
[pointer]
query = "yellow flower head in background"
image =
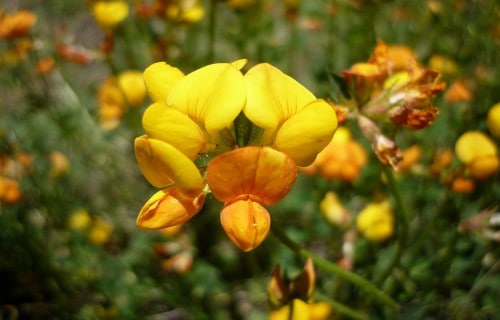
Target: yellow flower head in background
x,y
189,11
479,153
109,13
493,120
376,221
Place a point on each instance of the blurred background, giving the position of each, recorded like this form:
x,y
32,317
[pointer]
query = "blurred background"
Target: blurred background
x,y
70,189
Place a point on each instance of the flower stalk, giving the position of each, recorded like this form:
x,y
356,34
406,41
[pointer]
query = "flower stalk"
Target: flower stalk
x,y
333,268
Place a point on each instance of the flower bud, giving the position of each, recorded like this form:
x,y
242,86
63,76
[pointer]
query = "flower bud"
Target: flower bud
x,y
246,223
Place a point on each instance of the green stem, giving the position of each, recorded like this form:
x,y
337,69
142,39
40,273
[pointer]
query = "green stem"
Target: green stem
x,y
342,309
402,222
333,268
211,31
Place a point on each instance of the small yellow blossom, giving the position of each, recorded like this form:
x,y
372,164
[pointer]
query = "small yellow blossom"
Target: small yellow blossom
x,y
375,221
493,120
443,64
79,220
333,210
302,311
109,13
189,11
59,164
478,152
100,231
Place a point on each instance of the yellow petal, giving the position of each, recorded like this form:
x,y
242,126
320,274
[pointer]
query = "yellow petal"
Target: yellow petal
x,y
163,165
272,96
174,128
213,95
159,79
305,134
246,223
262,172
168,208
473,145
110,13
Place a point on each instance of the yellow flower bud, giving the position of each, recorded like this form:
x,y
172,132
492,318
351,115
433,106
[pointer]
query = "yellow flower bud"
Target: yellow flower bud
x,y
110,13
493,120
375,221
473,145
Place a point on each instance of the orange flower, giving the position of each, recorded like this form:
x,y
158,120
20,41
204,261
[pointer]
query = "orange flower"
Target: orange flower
x,y
246,179
343,158
17,24
9,190
458,92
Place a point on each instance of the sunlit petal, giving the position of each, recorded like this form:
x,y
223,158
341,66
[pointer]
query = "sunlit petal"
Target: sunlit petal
x,y
162,165
246,223
213,95
159,79
175,128
168,208
307,132
259,171
272,96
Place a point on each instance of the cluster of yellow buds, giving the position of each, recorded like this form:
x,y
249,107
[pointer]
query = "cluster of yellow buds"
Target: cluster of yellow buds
x,y
179,11
391,86
237,135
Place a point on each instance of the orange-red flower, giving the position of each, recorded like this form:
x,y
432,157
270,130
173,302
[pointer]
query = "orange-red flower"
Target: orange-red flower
x,y
17,24
246,179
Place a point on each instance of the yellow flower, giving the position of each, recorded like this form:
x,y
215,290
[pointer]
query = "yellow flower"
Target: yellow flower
x,y
100,231
79,220
375,221
302,311
131,84
190,111
189,11
333,210
479,153
109,13
294,121
116,94
493,120
246,179
9,190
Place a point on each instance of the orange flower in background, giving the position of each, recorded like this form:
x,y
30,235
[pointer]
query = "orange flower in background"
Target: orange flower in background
x,y
9,190
246,179
458,92
17,24
343,158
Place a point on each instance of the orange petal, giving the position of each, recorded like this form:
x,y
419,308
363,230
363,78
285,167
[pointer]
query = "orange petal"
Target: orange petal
x,y
168,208
260,171
246,223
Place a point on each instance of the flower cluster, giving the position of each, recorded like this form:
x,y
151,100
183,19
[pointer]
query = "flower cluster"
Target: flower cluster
x,y
239,136
393,87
